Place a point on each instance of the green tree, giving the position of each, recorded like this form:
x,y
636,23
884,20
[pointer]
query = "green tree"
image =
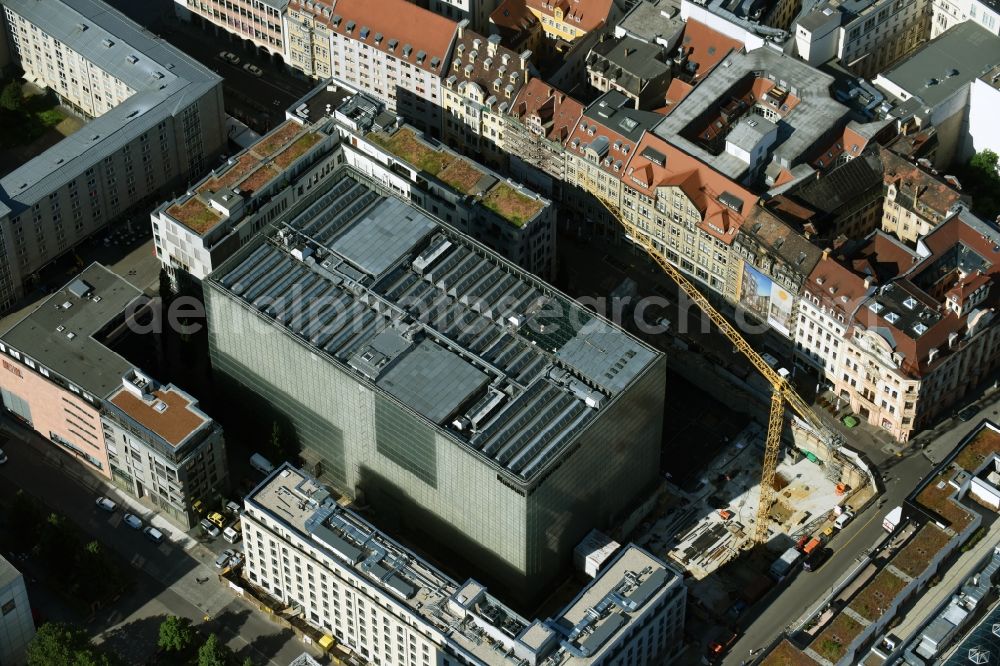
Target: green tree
x,y
985,162
12,97
277,442
213,653
166,287
248,662
57,644
176,634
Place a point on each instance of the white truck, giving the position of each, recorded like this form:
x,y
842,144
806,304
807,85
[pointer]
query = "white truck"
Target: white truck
x,y
784,564
892,519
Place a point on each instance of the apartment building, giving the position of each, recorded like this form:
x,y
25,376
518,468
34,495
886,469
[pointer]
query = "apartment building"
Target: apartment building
x,y
389,606
916,200
632,67
17,626
865,36
157,119
163,447
570,20
417,369
257,21
689,212
932,88
946,14
540,122
771,262
391,49
729,120
63,378
596,153
479,90
903,334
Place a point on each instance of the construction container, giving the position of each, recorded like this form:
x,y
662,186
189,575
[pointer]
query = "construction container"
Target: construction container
x,y
591,554
813,544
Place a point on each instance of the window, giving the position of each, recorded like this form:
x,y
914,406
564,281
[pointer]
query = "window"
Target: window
x,y
8,607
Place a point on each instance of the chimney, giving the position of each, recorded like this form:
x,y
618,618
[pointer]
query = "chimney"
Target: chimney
x,y
826,253
525,55
868,281
462,25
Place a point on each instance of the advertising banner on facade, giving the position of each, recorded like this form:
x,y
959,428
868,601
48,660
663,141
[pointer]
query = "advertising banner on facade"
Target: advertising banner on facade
x,y
766,300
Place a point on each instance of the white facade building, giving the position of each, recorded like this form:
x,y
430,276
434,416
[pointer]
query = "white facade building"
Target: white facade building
x,y
948,13
386,604
158,117
476,11
392,49
257,21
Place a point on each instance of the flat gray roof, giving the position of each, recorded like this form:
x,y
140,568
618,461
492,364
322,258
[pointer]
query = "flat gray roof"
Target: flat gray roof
x,y
638,61
433,381
495,358
939,68
653,20
165,79
798,132
58,334
388,231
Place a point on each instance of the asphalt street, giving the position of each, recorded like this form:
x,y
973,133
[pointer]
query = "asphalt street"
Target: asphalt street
x,y
787,603
167,576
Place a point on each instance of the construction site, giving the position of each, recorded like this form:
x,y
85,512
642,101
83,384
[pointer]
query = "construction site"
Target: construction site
x,y
751,472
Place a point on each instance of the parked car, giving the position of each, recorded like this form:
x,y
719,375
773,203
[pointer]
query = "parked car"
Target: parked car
x,y
967,413
253,69
843,519
816,559
106,504
153,534
223,559
133,521
231,58
210,529
216,519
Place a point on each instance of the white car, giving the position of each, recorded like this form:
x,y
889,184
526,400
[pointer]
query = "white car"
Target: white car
x,y
231,58
253,69
133,521
210,529
106,504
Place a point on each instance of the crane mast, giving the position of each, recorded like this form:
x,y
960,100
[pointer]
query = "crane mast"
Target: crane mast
x,y
782,391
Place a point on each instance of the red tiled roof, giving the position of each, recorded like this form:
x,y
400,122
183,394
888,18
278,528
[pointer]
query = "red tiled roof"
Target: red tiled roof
x,y
395,20
514,16
557,111
585,15
676,92
701,184
705,46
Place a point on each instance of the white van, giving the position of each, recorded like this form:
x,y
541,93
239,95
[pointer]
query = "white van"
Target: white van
x,y
261,464
843,519
232,534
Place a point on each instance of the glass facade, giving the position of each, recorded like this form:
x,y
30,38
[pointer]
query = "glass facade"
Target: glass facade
x,y
418,479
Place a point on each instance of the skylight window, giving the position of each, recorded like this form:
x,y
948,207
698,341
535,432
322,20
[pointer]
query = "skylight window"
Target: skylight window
x,y
876,307
892,317
919,329
910,302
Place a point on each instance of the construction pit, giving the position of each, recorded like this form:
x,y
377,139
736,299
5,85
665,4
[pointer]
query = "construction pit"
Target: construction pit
x,y
710,526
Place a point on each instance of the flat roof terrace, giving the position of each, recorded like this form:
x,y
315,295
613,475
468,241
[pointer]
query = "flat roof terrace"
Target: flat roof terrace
x,y
493,357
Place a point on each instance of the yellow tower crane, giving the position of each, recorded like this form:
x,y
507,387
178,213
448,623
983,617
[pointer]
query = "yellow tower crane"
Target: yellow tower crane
x,y
782,390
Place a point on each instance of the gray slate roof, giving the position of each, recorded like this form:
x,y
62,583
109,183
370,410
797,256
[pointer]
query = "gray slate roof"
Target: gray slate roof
x,y
799,131
80,359
939,68
165,80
